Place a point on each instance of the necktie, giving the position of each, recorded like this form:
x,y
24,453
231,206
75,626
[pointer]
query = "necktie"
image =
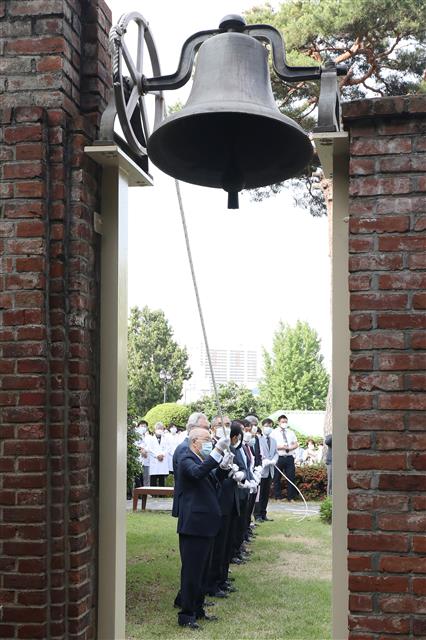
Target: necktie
x,y
268,440
285,437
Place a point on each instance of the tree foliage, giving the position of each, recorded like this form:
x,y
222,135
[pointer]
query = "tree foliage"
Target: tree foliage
x,y
151,348
294,374
167,413
237,401
382,42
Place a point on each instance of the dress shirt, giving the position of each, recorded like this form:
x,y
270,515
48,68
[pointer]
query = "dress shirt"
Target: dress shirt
x,y
283,438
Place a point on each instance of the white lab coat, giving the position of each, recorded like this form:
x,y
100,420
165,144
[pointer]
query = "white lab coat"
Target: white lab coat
x,y
157,468
172,441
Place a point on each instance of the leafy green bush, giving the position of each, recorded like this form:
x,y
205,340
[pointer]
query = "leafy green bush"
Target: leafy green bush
x,y
326,510
134,467
167,413
311,481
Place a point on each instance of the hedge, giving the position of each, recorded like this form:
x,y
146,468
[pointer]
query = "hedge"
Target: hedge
x,y
311,481
168,413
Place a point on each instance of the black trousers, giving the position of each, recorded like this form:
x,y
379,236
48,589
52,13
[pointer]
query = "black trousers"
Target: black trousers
x,y
250,509
195,555
286,464
240,526
219,556
265,486
157,480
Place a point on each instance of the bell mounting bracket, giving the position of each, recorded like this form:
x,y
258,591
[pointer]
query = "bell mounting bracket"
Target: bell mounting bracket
x,y
129,95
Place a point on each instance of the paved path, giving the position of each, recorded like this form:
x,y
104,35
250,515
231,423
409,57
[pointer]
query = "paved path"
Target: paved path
x,y
274,506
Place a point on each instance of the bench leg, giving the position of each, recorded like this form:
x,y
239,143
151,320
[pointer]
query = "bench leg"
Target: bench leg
x,y
144,502
135,501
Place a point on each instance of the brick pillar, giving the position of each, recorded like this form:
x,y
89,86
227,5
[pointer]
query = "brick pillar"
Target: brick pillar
x,y
56,81
387,422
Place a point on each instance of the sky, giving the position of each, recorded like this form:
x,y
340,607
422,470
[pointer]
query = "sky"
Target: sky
x,y
255,266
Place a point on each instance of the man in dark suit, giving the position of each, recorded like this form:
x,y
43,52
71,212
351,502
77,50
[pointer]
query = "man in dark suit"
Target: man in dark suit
x,y
199,519
196,419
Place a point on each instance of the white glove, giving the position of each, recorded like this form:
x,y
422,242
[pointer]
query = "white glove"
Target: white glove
x,y
258,469
257,476
239,476
265,462
253,486
223,444
227,461
235,468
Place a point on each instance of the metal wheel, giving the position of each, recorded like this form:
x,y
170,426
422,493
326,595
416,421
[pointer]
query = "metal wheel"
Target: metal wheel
x,y
129,97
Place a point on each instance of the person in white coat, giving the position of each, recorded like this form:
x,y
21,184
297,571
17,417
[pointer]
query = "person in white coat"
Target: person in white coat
x,y
173,441
158,448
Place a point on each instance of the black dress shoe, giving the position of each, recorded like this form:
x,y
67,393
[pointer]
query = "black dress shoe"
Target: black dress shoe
x,y
190,625
259,520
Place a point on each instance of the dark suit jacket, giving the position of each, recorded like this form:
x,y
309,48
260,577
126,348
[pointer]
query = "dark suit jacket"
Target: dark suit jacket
x,y
199,510
228,494
180,451
256,453
239,460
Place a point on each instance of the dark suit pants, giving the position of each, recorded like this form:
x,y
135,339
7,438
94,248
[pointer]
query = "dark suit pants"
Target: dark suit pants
x,y
286,464
157,480
240,526
217,568
265,486
195,554
250,508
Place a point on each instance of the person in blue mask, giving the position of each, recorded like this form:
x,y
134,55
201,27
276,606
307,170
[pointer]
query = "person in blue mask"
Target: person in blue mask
x,y
199,520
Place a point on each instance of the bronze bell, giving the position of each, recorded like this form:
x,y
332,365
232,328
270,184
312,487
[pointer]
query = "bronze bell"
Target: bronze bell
x,y
230,134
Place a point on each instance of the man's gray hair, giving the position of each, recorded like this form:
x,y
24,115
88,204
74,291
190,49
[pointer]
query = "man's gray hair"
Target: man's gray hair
x,y
194,419
252,420
196,433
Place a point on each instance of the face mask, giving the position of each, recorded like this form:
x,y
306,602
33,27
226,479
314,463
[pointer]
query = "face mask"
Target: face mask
x,y
267,431
142,430
246,436
173,430
254,429
220,432
159,432
206,449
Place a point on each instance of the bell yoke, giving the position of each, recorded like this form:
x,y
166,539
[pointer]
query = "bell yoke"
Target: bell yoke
x,y
214,140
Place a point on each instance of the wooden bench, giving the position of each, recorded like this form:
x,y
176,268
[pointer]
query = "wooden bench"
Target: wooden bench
x,y
144,492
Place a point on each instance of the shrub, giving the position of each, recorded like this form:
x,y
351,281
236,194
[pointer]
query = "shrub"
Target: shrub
x,y
311,481
167,413
326,510
134,467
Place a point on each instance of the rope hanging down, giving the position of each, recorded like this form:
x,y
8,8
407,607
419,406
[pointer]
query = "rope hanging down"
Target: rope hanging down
x,y
197,295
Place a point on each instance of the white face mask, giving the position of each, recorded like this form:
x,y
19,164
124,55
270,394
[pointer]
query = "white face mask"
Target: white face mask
x,y
254,429
267,431
247,436
173,430
221,432
159,432
142,430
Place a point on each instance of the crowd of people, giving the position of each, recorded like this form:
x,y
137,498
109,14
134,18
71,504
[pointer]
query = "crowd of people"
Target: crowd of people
x,y
223,474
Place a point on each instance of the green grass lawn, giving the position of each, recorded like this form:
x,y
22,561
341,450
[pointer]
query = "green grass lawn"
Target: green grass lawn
x,y
284,592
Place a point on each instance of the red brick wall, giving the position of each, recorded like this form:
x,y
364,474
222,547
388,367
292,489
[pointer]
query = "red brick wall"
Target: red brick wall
x,y
56,79
387,421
